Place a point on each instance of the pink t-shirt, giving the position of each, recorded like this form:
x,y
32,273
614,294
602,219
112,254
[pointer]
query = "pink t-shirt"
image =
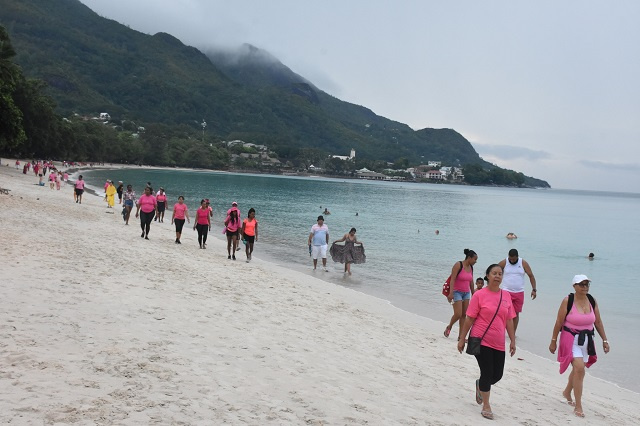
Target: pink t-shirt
x,y
232,225
147,203
482,307
161,197
52,177
202,216
79,184
463,280
179,210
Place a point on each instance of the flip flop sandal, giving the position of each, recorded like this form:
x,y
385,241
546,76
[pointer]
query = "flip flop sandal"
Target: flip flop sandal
x,y
478,394
578,413
447,331
487,414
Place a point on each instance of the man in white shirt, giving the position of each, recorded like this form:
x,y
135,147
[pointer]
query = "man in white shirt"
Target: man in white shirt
x,y
319,240
514,269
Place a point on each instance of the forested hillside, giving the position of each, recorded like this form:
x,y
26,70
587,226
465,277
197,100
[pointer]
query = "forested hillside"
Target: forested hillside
x,y
91,65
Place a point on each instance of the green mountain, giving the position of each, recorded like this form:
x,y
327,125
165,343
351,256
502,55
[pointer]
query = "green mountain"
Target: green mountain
x,y
92,64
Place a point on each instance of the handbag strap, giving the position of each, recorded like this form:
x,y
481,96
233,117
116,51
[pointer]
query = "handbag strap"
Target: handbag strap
x,y
494,317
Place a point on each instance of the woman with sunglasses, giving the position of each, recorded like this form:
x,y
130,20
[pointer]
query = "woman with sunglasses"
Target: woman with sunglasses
x,y
577,317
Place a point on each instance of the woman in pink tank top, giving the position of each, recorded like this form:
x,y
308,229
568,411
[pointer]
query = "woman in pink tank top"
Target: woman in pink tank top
x,y
461,289
576,324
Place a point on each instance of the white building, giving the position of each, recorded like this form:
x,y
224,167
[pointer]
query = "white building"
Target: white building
x,y
351,156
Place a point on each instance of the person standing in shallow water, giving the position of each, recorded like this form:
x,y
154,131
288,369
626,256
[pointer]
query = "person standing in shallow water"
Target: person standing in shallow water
x,y
180,213
348,253
318,241
147,209
460,289
490,313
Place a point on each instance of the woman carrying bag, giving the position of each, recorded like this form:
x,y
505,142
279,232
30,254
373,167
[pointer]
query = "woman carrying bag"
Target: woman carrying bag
x,y
488,315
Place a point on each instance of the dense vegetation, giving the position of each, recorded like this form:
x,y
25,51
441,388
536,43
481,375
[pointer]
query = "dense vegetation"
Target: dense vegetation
x,y
90,65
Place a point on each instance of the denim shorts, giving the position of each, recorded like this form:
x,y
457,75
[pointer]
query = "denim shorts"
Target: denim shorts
x,y
461,295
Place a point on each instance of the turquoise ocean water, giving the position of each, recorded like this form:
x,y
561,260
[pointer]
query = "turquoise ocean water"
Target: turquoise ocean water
x,y
407,262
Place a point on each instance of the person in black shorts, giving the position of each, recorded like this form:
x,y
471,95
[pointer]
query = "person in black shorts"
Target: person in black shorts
x,y
119,190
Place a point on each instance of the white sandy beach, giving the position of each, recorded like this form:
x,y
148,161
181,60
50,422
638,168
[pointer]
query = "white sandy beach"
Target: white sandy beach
x,y
99,326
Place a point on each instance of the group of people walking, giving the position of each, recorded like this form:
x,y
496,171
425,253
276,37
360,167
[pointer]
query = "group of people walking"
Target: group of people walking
x,y
151,207
485,313
318,242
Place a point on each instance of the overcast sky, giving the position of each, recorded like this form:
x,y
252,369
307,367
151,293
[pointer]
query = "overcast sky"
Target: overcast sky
x,y
549,88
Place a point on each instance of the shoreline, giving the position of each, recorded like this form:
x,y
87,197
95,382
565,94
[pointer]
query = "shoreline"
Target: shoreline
x,y
207,338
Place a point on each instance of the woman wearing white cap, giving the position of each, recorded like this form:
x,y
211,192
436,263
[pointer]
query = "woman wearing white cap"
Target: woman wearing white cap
x,y
577,317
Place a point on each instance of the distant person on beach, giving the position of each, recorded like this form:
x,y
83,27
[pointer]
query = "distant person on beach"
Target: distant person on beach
x,y
58,180
511,236
348,253
52,180
78,188
514,269
490,313
232,229
120,190
318,241
578,315
147,208
129,200
250,232
479,283
40,179
17,164
106,185
180,213
203,224
161,198
111,195
460,289
591,256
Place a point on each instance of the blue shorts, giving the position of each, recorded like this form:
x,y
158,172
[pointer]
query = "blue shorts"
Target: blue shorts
x,y
461,295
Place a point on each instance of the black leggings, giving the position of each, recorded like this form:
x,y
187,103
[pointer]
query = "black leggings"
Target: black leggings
x,y
203,230
145,221
491,363
179,224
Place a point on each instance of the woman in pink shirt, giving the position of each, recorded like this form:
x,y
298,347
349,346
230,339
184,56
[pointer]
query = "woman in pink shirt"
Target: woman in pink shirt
x,y
161,198
180,213
489,314
461,289
203,223
232,228
147,209
575,324
78,189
